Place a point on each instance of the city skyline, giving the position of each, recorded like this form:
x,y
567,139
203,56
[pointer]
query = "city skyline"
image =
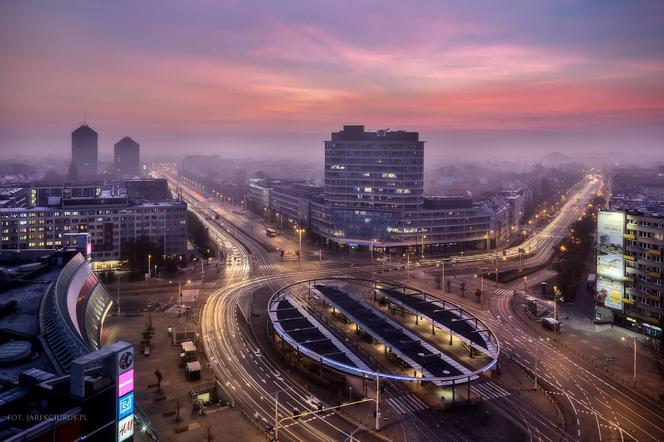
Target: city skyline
x,y
516,81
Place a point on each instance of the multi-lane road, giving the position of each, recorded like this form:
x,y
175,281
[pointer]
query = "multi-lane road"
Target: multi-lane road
x,y
594,406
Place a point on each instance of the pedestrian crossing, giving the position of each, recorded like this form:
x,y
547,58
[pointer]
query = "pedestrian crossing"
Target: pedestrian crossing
x,y
489,390
407,404
503,292
270,267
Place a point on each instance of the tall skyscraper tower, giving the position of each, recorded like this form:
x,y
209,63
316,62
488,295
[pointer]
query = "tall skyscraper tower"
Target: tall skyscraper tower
x,y
371,180
84,151
127,157
382,170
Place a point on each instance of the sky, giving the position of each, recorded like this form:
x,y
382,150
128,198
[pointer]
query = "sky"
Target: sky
x,y
505,79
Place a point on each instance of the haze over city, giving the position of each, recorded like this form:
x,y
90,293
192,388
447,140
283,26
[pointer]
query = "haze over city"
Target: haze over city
x,y
338,221
479,79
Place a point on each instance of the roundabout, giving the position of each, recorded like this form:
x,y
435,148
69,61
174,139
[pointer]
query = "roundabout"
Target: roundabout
x,y
315,319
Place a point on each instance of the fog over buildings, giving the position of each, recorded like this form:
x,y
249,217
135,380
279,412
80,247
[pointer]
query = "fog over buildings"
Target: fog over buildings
x,y
477,81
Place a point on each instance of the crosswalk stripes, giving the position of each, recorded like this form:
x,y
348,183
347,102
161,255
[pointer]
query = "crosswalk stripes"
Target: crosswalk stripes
x,y
489,390
407,404
503,292
273,267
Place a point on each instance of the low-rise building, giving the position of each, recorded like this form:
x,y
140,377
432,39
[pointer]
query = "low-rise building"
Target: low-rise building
x,y
111,213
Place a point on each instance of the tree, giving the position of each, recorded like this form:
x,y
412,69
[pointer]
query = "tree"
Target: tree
x,y
198,233
72,174
136,252
572,255
159,377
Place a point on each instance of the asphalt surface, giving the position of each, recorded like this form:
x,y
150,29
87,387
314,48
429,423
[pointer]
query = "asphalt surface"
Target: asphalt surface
x,y
594,406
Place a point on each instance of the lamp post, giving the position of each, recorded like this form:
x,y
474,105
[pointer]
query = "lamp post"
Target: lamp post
x,y
118,294
442,261
299,250
149,268
423,238
634,363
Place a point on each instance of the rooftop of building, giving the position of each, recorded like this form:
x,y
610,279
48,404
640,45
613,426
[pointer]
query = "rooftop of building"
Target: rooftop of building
x,y
298,189
127,141
358,133
637,205
24,279
84,129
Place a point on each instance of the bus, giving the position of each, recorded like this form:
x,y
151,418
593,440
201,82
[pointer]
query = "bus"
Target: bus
x,y
269,231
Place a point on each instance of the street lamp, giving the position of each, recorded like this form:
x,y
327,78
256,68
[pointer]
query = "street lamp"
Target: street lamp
x,y
149,261
423,238
299,251
622,338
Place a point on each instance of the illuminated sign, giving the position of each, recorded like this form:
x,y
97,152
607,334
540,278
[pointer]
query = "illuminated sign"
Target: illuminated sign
x,y
610,260
126,405
125,383
126,360
126,428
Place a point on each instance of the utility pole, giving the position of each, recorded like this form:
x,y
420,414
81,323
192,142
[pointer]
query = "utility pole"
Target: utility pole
x,y
179,297
276,416
408,264
634,361
118,293
377,402
537,350
442,261
497,259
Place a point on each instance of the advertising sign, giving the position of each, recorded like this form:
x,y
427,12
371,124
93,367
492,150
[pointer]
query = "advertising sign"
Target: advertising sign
x,y
610,259
126,405
125,360
126,428
125,383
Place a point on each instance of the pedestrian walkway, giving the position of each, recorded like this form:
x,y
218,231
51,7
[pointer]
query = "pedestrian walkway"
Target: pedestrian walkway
x,y
270,267
407,404
503,292
489,390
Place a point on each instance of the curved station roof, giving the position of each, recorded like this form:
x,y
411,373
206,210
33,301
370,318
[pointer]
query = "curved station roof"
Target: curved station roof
x,y
297,326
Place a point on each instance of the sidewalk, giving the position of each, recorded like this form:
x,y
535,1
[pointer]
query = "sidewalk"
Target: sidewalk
x,y
604,347
224,424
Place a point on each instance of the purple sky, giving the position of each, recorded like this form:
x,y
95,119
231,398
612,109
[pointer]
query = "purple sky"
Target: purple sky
x,y
274,78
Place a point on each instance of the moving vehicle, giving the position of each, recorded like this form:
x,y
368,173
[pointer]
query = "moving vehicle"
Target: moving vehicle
x,y
269,231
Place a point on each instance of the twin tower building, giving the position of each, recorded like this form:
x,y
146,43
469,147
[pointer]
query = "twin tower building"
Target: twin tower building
x,y
84,154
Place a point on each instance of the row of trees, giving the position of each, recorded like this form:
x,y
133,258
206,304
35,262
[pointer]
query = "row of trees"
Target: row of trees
x,y
573,251
199,235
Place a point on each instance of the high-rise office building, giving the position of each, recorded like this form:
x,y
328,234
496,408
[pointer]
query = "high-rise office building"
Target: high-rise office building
x,y
382,170
84,151
127,158
374,196
371,178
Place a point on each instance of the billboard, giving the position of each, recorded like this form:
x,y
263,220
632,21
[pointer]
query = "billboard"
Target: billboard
x,y
126,428
125,383
610,259
124,366
126,405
